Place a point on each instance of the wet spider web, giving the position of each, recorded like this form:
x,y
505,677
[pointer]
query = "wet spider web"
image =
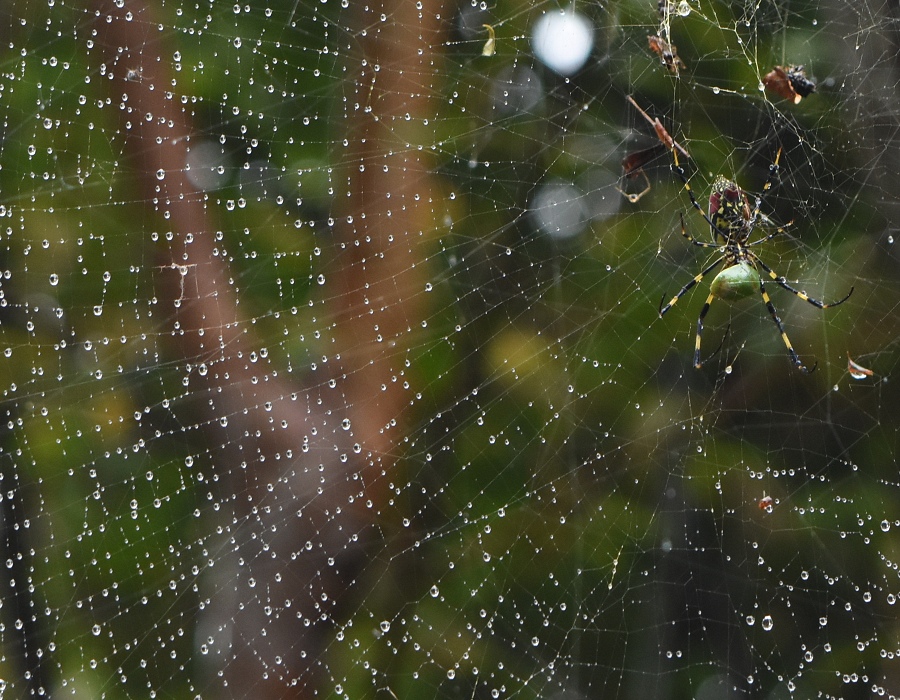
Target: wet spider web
x,y
332,363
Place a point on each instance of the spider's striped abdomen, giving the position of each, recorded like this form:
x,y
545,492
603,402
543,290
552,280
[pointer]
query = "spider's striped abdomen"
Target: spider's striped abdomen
x,y
729,210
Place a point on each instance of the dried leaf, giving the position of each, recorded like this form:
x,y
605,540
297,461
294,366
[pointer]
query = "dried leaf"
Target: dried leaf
x,y
857,371
491,44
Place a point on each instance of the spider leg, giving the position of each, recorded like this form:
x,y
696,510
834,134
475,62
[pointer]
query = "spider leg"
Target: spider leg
x,y
701,244
781,282
703,312
686,288
679,171
777,232
721,343
697,363
787,343
773,172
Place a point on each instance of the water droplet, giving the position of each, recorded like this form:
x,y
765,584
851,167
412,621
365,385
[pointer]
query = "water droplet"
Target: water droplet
x,y
385,626
768,623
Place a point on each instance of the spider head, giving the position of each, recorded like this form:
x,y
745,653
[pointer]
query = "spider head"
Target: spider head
x,y
729,210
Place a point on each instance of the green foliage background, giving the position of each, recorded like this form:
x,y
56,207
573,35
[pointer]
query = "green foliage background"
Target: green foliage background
x,y
563,474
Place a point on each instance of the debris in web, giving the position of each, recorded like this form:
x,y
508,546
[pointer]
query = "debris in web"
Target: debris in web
x,y
490,45
791,83
633,163
856,370
661,132
668,53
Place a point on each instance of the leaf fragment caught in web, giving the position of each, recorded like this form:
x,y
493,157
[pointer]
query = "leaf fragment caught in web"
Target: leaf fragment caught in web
x,y
668,53
490,45
791,83
856,370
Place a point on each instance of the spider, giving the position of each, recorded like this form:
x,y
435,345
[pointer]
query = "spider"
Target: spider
x,y
732,221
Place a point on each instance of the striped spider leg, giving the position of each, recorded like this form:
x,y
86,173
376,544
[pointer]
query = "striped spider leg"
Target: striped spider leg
x,y
732,221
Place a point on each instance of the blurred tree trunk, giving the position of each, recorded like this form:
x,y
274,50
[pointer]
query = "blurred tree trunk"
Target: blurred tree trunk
x,y
280,469
384,218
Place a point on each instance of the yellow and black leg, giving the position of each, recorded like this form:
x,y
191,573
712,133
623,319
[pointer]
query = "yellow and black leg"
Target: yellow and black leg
x,y
787,342
703,312
701,244
773,173
686,288
679,171
781,282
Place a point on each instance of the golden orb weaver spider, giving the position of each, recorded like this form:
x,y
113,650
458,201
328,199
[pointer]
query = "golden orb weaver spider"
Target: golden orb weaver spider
x,y
732,222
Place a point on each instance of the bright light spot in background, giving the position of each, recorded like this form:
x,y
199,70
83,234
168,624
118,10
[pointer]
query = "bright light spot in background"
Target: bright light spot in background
x,y
562,41
559,210
604,200
207,167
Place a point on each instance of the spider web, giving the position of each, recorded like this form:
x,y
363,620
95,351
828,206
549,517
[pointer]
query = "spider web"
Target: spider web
x,y
332,362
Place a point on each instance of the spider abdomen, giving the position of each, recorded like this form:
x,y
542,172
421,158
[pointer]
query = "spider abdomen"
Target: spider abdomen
x,y
729,211
736,282
732,221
